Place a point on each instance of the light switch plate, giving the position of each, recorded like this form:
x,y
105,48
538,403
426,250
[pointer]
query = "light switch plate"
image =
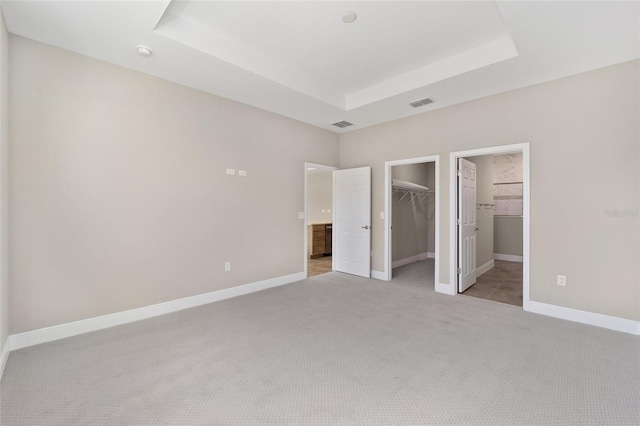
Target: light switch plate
x,y
231,171
300,215
382,215
242,172
562,280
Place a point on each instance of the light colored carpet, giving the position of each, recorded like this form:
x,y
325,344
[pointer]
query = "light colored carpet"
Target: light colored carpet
x,y
333,349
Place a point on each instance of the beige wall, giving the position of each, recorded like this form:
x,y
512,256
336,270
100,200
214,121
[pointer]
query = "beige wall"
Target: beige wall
x,y
484,215
319,197
575,126
4,183
119,197
413,223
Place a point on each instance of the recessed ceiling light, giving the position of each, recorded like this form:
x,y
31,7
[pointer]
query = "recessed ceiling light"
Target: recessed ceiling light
x,y
144,51
349,17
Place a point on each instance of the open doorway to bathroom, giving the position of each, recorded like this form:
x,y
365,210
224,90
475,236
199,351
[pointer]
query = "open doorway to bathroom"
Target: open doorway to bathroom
x,y
411,210
318,219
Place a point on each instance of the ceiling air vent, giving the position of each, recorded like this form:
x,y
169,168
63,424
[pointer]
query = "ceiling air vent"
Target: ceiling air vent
x,y
425,101
342,124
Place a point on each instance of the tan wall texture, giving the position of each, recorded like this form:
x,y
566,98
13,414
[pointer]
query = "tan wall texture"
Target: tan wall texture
x,y
4,183
119,195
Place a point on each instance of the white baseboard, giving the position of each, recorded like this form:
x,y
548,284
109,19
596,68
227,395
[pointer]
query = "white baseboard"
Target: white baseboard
x,y
48,334
484,268
412,259
507,257
4,356
445,288
378,275
584,317
431,255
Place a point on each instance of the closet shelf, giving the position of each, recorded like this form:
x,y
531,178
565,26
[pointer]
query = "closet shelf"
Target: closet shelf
x,y
409,188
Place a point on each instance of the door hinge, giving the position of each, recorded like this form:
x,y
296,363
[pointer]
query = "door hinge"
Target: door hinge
x,y
459,270
459,172
459,221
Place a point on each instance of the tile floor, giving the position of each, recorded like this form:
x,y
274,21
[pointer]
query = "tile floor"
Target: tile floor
x,y
319,265
502,283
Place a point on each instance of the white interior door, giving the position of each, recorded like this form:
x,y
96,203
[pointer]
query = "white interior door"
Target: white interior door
x,y
352,221
466,224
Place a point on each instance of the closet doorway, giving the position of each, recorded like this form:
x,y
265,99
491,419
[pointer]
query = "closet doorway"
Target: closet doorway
x,y
500,197
490,238
412,219
318,233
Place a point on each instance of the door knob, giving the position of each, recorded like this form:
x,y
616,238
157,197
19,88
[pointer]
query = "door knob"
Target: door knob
x,y
477,229
365,227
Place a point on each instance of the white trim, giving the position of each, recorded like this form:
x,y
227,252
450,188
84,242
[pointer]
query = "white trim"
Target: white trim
x,y
484,268
388,267
378,275
507,257
48,334
412,259
526,211
445,288
4,355
431,255
305,224
584,317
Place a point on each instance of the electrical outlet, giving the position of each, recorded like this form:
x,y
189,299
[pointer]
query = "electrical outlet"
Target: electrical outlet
x,y
562,280
382,215
242,172
227,266
300,215
231,171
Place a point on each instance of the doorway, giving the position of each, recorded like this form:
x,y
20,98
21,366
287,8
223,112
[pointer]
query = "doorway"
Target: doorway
x,y
318,223
491,229
411,217
490,207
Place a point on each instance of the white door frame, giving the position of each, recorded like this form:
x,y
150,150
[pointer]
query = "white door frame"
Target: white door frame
x,y
306,230
526,212
387,213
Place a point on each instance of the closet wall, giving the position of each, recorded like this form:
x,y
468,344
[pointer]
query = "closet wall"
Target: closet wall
x,y
507,238
413,223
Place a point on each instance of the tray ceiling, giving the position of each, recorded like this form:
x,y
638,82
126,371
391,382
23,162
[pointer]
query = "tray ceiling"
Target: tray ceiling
x,y
299,59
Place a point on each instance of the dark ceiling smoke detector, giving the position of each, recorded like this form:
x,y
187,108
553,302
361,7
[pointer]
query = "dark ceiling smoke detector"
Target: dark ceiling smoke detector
x,y
342,124
421,102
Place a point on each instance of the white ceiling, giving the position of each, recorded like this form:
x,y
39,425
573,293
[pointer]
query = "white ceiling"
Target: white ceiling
x,y
300,60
